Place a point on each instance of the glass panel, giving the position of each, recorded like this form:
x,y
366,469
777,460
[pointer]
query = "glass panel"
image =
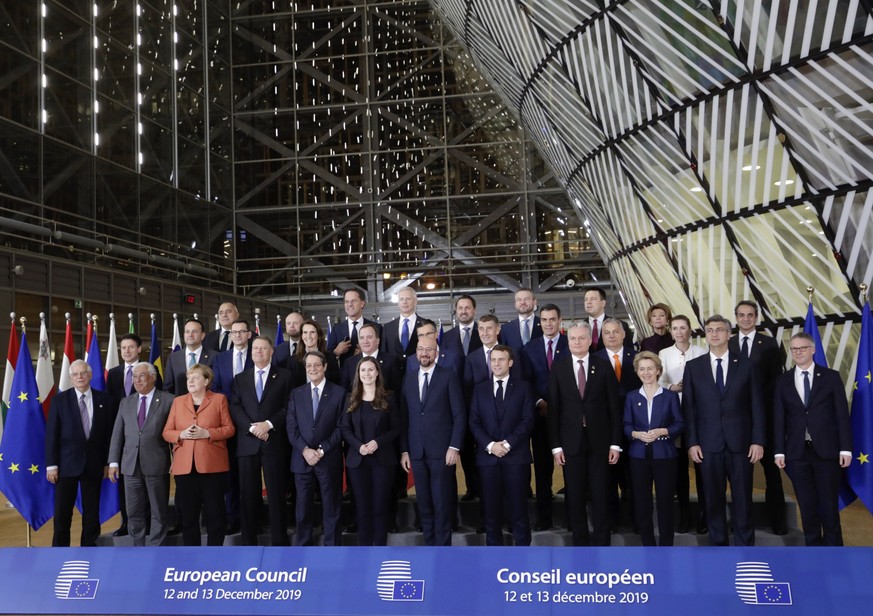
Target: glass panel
x,y
68,185
19,88
157,151
19,161
116,126
68,44
117,201
156,34
68,109
190,113
192,168
19,26
116,19
155,87
117,70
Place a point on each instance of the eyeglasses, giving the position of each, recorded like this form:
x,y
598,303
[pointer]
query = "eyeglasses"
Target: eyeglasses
x,y
238,332
799,349
716,330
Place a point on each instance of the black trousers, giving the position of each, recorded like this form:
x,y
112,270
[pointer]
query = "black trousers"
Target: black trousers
x,y
816,484
662,473
66,489
202,491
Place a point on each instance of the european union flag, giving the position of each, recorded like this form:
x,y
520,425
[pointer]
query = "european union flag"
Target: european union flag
x,y
98,380
773,593
22,452
860,471
811,327
83,589
408,590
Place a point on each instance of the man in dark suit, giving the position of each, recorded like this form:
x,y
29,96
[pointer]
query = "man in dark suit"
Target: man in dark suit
x,y
258,405
813,440
585,430
434,420
501,420
220,339
518,332
622,360
398,336
537,358
463,337
343,338
119,385
313,416
595,307
425,329
368,340
768,363
139,453
175,377
284,353
77,436
724,423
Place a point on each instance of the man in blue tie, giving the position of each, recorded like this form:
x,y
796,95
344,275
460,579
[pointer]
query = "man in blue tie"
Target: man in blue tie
x,y
398,336
722,402
463,337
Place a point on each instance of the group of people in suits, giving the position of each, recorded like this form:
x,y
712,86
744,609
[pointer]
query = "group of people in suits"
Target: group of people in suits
x,y
377,400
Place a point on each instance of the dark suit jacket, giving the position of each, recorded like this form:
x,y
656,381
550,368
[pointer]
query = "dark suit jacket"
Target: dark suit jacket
x,y
628,336
246,410
826,419
599,407
340,332
209,455
282,355
322,431
65,444
734,419
510,333
665,414
222,367
535,364
115,384
476,371
514,424
451,340
130,445
431,426
629,380
175,376
391,373
385,428
390,341
212,340
768,361
447,359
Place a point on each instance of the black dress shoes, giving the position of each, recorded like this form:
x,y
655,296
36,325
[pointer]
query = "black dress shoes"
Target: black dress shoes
x,y
121,532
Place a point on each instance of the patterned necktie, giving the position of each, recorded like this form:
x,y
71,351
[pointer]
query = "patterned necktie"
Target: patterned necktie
x,y
488,361
617,366
404,335
141,415
424,387
314,401
745,348
525,332
259,388
83,413
581,378
719,376
806,388
466,341
192,359
550,356
594,335
128,381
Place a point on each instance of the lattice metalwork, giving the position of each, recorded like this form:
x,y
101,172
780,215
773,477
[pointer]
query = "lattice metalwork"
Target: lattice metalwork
x,y
715,150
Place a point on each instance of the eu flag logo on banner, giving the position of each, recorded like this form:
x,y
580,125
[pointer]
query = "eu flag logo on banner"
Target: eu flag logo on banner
x,y
773,593
408,590
83,589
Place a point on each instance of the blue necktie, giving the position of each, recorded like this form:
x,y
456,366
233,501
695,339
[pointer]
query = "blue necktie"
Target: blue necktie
x,y
525,332
314,401
192,359
466,341
404,335
260,385
806,388
719,376
238,367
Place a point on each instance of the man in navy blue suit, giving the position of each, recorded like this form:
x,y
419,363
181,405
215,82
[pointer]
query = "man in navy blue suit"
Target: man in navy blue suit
x,y
175,376
284,353
313,417
725,429
426,329
434,421
398,336
257,406
343,338
517,332
813,440
77,437
595,307
463,337
769,362
369,343
537,358
501,420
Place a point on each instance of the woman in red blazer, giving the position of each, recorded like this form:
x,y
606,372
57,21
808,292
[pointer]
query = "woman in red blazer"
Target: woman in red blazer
x,y
198,427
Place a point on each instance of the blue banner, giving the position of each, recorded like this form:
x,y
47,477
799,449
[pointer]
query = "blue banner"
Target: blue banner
x,y
457,580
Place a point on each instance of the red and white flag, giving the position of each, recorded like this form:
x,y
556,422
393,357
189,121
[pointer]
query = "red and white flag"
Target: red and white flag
x,y
69,357
45,379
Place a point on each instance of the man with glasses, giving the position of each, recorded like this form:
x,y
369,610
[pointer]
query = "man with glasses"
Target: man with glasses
x,y
175,379
768,362
434,420
724,419
813,440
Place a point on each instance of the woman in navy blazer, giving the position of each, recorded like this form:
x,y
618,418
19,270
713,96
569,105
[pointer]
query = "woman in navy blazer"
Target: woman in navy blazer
x,y
371,428
652,420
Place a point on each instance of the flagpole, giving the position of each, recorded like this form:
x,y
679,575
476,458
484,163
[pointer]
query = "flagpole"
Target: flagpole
x,y
27,539
863,298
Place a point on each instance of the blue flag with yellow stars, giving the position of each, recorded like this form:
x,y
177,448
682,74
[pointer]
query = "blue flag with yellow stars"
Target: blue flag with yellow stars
x,y
22,452
860,471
